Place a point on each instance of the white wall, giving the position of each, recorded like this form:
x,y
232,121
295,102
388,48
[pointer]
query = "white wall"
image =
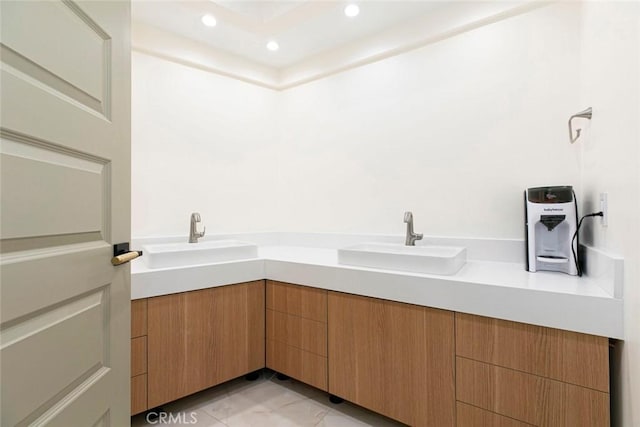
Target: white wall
x,y
610,83
200,143
454,131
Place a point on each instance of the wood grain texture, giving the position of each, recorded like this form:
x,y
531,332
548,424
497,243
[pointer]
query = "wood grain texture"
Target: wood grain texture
x,y
395,359
182,344
138,356
138,317
139,394
241,330
124,258
297,300
529,398
302,365
305,334
470,416
202,338
566,356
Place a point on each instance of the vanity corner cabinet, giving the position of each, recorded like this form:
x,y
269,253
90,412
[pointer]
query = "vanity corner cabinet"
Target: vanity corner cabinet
x,y
297,332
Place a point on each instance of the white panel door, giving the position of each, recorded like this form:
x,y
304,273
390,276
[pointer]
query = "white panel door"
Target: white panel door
x,y
65,200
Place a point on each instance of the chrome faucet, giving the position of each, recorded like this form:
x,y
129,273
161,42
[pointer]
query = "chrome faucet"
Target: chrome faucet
x,y
194,235
411,236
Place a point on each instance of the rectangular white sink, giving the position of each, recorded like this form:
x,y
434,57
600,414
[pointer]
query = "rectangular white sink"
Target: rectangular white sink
x,y
443,260
163,255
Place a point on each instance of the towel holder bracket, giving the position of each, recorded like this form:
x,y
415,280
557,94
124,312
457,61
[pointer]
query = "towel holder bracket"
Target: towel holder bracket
x,y
584,114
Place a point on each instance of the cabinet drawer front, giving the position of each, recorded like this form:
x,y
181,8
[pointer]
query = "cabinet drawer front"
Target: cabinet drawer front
x,y
553,353
138,356
138,317
305,334
529,398
138,394
470,416
301,365
302,301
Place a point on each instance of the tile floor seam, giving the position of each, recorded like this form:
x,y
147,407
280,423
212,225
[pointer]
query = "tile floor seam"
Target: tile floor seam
x,y
322,419
218,420
293,403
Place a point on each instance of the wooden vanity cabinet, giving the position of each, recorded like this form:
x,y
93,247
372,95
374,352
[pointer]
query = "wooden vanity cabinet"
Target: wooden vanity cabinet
x,y
202,338
418,365
296,320
529,374
392,358
138,356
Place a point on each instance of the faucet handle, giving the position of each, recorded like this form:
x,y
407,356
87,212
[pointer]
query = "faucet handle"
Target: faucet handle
x,y
418,236
201,234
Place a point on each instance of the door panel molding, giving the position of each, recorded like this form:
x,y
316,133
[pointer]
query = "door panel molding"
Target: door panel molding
x,y
25,292
46,378
27,70
79,401
24,145
80,38
75,199
31,243
35,324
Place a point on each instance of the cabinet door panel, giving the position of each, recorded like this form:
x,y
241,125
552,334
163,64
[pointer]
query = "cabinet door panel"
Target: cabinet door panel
x,y
181,355
201,338
240,330
395,359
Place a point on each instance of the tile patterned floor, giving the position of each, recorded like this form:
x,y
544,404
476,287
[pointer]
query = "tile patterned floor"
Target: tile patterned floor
x,y
267,402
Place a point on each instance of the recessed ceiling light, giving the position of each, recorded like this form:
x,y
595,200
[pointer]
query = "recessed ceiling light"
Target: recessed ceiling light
x,y
352,10
209,20
273,45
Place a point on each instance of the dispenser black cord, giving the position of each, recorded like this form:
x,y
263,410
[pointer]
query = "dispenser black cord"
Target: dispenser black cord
x,y
575,235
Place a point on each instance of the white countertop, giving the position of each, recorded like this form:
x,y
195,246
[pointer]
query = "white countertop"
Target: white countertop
x,y
502,290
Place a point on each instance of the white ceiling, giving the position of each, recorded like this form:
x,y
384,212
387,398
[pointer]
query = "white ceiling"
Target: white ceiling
x,y
303,29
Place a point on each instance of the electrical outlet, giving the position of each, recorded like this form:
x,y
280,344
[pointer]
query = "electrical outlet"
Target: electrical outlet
x,y
604,207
